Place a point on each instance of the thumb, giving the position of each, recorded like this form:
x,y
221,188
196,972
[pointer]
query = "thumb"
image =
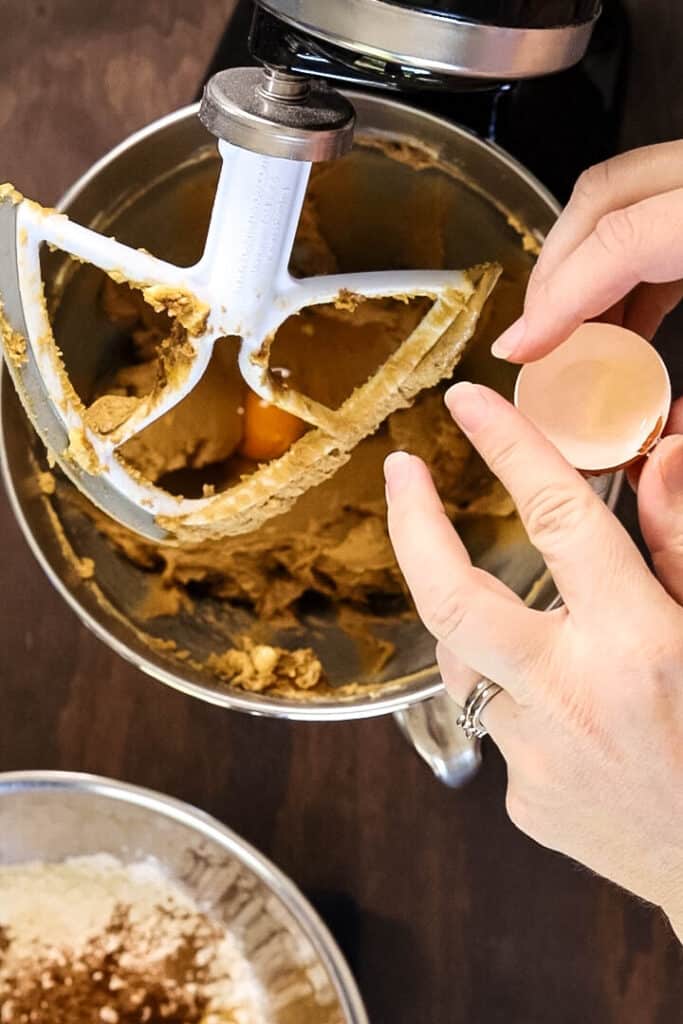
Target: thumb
x,y
660,509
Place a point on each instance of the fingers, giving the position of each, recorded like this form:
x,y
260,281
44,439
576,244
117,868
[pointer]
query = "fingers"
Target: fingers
x,y
612,185
643,309
674,425
660,509
647,306
591,557
629,245
491,632
500,715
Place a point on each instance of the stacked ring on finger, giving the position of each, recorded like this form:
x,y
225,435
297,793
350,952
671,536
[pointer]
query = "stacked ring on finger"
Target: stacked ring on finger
x,y
470,719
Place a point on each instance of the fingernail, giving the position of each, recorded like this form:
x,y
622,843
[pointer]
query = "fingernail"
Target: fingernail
x,y
468,404
509,340
397,473
671,467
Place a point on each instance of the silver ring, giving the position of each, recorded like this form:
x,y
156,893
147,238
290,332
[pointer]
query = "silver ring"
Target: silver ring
x,y
470,719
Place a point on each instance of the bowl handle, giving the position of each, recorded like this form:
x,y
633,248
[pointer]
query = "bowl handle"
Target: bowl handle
x,y
431,727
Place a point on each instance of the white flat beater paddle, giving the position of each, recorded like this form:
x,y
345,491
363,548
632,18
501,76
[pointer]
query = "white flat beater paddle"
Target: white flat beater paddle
x,y
270,127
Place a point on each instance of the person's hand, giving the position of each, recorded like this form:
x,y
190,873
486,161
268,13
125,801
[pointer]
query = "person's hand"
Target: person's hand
x,y
615,253
591,718
616,247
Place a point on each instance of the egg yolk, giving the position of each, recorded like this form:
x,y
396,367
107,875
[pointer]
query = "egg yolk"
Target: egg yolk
x,y
268,431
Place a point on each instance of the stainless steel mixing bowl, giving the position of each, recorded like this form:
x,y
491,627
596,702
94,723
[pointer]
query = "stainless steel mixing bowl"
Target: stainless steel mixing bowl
x,y
49,816
133,193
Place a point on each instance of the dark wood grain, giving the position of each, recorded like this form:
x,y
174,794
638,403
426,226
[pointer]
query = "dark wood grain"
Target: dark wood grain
x,y
447,913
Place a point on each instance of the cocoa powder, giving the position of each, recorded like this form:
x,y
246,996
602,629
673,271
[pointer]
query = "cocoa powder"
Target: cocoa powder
x,y
93,942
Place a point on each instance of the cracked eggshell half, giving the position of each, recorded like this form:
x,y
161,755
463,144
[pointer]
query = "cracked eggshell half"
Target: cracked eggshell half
x,y
602,398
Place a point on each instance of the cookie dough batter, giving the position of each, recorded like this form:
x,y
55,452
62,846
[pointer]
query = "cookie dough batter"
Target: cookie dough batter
x,y
333,542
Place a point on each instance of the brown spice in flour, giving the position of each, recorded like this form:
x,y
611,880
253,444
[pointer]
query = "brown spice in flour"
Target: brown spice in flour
x,y
90,941
112,981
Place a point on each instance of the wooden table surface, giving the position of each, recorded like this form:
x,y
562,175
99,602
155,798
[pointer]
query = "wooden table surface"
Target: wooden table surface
x,y
446,912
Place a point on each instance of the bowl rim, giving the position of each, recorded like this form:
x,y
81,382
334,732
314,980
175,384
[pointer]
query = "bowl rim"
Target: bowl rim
x,y
206,825
423,684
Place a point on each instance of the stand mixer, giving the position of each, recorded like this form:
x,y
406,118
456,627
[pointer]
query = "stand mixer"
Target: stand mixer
x,y
556,124
486,104
272,123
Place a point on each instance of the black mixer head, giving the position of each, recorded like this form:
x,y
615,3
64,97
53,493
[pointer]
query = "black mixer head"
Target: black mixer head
x,y
443,44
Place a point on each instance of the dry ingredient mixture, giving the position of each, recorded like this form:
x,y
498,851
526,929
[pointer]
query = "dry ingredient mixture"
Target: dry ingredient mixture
x,y
91,941
333,543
